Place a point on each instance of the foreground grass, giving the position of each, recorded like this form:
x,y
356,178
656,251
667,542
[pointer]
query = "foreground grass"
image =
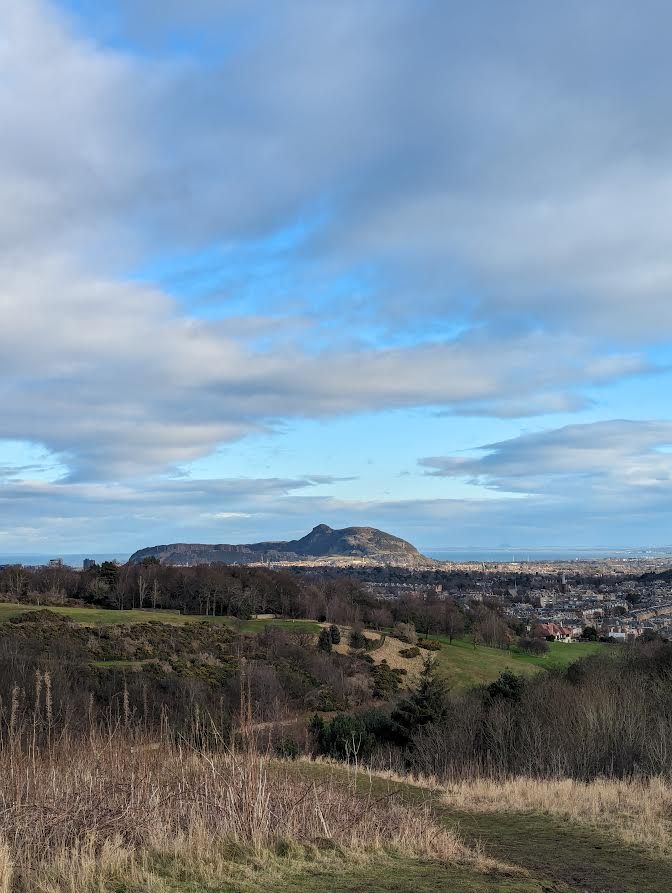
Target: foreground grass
x,y
343,873
592,846
111,814
115,813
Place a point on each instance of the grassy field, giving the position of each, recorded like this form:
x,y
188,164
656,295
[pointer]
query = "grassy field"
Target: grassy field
x,y
464,665
105,616
101,815
560,855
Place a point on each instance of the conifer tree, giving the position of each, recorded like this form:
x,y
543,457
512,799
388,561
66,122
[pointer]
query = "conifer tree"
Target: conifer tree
x,y
324,642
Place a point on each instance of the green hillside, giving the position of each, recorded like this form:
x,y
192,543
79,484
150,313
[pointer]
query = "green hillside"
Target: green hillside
x,y
107,616
463,665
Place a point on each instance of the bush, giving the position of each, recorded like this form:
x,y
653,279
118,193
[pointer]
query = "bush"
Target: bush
x,y
507,686
430,644
375,644
335,634
341,737
287,749
533,645
386,681
413,651
406,632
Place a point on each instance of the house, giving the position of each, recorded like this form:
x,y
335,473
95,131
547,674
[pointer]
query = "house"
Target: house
x,y
560,633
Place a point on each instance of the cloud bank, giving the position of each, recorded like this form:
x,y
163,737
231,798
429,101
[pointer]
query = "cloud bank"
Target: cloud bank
x,y
466,211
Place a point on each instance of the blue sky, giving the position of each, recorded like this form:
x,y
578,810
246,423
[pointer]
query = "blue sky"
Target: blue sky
x,y
388,262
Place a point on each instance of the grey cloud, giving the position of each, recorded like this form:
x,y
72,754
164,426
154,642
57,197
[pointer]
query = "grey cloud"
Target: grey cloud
x,y
490,161
607,462
116,382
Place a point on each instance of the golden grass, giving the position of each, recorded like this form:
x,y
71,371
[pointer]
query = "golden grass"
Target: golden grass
x,y
81,815
637,811
389,652
6,868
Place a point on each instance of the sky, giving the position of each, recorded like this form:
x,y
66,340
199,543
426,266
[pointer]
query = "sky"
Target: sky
x,y
400,263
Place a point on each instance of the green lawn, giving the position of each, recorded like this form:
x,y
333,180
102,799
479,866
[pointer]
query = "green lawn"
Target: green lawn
x,y
104,616
464,665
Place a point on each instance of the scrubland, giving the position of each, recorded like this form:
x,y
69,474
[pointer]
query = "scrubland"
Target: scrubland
x,y
92,813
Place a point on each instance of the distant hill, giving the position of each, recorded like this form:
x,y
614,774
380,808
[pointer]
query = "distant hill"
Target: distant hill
x,y
322,542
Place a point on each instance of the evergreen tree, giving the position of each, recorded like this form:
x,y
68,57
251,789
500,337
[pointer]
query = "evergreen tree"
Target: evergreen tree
x,y
324,642
507,686
428,703
335,634
357,638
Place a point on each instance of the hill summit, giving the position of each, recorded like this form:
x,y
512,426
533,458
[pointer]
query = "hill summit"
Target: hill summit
x,y
322,542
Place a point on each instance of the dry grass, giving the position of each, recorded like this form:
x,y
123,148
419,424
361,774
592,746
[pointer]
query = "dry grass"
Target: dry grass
x,y
389,652
638,811
78,817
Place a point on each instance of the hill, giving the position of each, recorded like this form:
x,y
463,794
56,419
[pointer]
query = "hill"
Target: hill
x,y
322,542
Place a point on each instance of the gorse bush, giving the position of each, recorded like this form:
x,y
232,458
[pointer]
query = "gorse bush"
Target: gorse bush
x,y
409,653
430,644
386,680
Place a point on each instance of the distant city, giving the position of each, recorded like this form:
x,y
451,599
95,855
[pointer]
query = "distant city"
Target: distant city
x,y
460,555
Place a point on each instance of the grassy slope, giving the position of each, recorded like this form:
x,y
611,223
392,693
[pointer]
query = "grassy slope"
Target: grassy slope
x,y
104,616
464,665
559,855
461,664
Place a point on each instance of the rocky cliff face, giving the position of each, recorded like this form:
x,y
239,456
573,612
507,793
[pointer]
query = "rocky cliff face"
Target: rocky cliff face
x,y
321,542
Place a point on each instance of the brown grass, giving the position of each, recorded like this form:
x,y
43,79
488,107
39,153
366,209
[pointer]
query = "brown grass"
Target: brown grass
x,y
638,810
77,817
389,652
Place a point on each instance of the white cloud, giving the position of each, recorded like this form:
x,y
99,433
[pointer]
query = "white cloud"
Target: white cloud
x,y
608,463
493,170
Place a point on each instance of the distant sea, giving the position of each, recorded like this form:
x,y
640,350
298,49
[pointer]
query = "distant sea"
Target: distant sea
x,y
71,560
474,554
508,555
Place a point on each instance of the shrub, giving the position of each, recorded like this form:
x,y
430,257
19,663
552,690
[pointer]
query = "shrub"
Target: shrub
x,y
413,651
335,634
406,632
533,645
386,681
375,644
507,686
287,748
430,644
